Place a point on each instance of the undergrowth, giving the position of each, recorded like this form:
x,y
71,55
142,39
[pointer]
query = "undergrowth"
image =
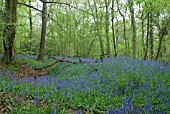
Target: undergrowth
x,y
116,85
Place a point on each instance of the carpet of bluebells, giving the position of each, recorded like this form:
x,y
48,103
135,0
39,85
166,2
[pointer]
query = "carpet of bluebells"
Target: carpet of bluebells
x,y
114,86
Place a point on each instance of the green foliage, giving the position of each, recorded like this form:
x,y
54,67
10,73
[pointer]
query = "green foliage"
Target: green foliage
x,y
93,87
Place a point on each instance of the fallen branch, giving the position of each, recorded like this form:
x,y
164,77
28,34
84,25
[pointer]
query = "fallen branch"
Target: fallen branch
x,y
62,60
65,60
57,61
46,66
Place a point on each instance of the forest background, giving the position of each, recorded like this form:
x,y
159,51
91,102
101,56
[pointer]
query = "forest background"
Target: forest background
x,y
88,28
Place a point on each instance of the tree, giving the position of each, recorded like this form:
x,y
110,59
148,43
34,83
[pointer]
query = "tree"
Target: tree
x,y
113,28
107,28
9,32
151,36
124,27
1,24
133,25
147,38
162,31
43,31
97,20
31,28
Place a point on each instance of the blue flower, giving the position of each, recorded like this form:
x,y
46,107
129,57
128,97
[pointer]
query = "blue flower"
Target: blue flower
x,y
54,110
79,111
111,94
148,105
59,86
36,100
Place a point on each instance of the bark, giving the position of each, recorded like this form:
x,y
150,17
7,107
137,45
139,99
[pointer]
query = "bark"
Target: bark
x,y
143,43
31,29
160,45
43,32
113,30
9,30
107,28
147,40
133,24
151,37
117,31
2,25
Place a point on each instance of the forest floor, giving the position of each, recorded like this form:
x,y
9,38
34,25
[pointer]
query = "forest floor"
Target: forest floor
x,y
115,85
22,70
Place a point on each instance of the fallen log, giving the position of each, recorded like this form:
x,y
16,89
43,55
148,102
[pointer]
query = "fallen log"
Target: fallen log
x,y
65,60
62,60
57,61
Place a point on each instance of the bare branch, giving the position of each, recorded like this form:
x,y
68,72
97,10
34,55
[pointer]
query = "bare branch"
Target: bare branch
x,y
67,4
44,13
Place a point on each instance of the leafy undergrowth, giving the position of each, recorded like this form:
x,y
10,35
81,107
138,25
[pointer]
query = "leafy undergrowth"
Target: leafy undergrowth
x,y
117,85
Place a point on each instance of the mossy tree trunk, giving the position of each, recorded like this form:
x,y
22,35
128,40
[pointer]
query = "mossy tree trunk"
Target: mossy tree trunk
x,y
9,32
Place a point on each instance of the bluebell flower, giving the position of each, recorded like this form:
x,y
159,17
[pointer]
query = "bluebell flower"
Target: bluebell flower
x,y
111,94
116,111
46,93
36,100
54,110
59,86
148,105
136,92
79,111
10,73
110,112
132,84
128,104
2,73
138,110
66,94
123,109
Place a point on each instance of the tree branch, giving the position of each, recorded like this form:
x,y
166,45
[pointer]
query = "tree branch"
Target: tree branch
x,y
67,4
44,13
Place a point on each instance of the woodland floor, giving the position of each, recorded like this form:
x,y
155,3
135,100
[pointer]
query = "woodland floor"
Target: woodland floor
x,y
7,99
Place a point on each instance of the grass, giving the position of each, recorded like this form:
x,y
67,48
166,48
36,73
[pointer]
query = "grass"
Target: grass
x,y
117,85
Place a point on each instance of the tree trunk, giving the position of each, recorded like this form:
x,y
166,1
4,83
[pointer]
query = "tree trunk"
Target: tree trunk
x,y
31,31
100,37
160,44
162,32
147,40
124,30
43,31
98,32
90,48
9,30
113,30
151,37
107,28
143,44
133,24
1,28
